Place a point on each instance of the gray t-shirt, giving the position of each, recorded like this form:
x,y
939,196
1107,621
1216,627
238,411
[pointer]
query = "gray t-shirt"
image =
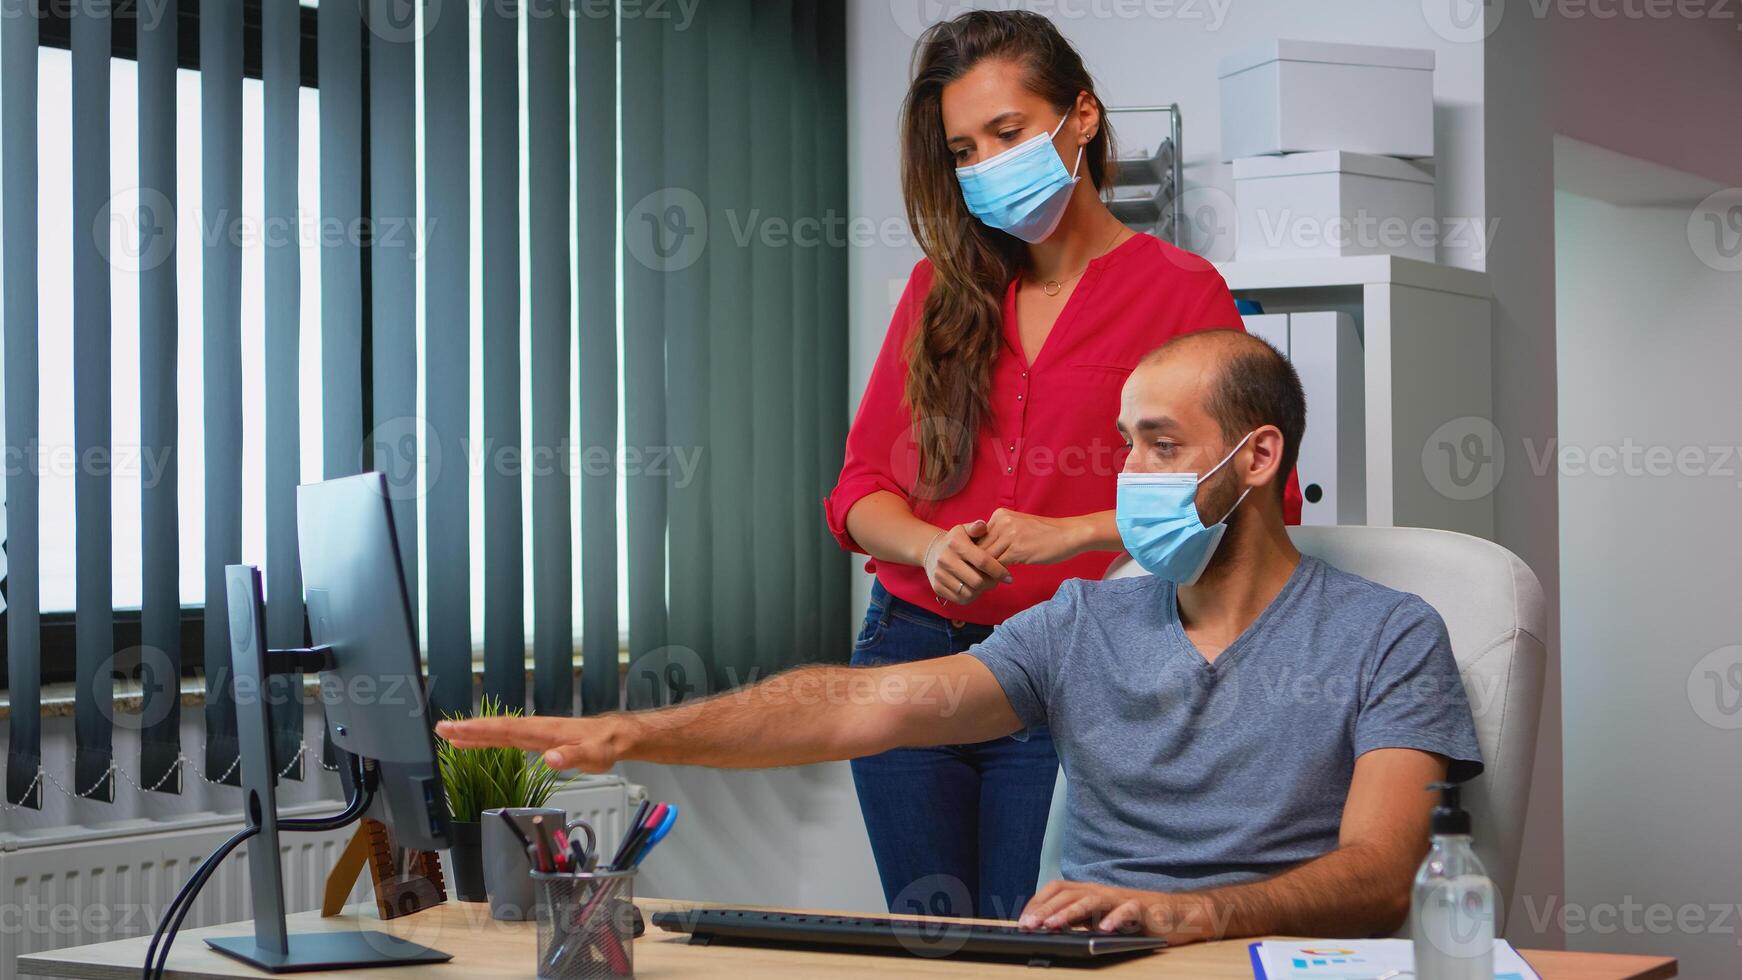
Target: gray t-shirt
x,y
1189,774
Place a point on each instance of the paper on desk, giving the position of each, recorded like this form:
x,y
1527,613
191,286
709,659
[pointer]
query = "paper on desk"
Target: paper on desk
x,y
1365,959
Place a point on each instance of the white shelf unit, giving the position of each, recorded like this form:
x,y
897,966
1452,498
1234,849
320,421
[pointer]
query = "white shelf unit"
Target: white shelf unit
x,y
1427,345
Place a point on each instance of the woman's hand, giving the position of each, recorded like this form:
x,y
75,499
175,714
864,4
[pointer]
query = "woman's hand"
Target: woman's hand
x,y
1015,538
960,569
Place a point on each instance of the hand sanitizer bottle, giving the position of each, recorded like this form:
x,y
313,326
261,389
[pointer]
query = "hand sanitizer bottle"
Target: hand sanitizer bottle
x,y
1452,909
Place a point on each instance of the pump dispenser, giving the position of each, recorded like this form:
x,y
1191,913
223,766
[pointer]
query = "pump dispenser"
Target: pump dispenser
x,y
1452,907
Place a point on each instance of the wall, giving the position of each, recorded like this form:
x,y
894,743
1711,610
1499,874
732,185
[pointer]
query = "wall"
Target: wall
x,y
1654,84
1651,558
1518,165
789,837
1646,336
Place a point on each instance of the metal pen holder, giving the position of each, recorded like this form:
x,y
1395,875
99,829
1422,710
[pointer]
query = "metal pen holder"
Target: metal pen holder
x,y
586,924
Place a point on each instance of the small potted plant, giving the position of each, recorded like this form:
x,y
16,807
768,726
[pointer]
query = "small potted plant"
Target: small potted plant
x,y
477,780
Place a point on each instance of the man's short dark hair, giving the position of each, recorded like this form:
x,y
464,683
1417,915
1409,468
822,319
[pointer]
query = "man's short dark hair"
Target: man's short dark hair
x,y
1255,386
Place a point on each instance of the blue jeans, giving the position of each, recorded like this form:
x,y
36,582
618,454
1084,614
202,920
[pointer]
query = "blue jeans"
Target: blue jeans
x,y
955,829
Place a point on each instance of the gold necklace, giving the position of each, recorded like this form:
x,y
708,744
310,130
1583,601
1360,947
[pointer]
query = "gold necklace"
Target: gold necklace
x,y
1051,287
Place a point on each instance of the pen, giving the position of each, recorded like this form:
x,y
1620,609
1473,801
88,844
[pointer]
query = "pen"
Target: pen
x,y
541,836
634,824
654,819
637,835
656,836
514,827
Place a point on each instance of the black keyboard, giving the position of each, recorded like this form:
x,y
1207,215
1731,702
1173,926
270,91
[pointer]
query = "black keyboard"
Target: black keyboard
x,y
914,937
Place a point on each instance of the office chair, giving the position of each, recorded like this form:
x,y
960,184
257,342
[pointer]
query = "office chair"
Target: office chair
x,y
1493,607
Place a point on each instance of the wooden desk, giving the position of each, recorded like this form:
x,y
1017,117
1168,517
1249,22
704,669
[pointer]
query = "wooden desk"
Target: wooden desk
x,y
484,948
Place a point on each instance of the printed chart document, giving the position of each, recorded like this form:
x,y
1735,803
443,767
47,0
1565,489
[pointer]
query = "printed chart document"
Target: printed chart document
x,y
1364,959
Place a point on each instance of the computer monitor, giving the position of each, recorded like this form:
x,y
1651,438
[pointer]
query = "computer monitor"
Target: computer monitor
x,y
371,676
358,606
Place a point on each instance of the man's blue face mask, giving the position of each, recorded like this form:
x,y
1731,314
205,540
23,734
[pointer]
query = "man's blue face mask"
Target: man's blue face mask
x,y
1157,516
1024,190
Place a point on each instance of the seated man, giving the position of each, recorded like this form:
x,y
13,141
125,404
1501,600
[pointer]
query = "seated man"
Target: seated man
x,y
1248,732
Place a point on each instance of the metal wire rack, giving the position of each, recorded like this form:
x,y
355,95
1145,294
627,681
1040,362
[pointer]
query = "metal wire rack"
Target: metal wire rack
x,y
1158,178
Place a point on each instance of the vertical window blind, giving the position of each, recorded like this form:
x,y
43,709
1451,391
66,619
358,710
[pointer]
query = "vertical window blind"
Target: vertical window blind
x,y
578,288
18,306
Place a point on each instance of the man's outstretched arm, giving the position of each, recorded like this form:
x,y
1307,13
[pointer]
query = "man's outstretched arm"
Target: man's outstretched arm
x,y
1359,889
811,714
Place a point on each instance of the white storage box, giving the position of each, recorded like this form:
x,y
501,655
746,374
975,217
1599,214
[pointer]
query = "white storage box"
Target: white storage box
x,y
1333,204
1298,96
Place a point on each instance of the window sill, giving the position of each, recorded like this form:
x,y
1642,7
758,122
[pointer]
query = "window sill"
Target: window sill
x,y
58,700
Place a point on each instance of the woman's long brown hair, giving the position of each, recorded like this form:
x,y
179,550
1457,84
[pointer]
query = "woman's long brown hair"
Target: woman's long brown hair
x,y
949,357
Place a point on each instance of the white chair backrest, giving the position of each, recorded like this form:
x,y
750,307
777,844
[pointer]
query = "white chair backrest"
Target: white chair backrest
x,y
1493,608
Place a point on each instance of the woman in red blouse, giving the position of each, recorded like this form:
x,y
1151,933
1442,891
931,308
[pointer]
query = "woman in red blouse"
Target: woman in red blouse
x,y
981,466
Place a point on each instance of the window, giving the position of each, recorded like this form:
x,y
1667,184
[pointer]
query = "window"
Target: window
x,y
132,466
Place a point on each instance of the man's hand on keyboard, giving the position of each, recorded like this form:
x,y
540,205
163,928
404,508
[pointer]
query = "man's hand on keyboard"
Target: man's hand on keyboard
x,y
1176,917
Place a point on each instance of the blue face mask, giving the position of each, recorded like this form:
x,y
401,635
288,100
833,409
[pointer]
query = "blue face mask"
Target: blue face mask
x,y
1024,190
1157,515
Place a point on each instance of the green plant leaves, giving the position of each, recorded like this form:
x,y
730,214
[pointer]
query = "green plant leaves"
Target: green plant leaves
x,y
484,779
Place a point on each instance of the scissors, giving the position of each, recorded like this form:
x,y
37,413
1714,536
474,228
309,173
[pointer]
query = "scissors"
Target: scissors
x,y
574,855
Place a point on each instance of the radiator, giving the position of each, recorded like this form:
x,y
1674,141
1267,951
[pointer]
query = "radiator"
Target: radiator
x,y
90,889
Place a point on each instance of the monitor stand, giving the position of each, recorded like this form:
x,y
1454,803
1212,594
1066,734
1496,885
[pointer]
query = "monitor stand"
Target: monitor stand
x,y
271,948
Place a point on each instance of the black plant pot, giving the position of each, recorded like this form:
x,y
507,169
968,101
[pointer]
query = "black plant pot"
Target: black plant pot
x,y
466,860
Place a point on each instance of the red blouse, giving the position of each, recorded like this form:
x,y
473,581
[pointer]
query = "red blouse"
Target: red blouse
x,y
1050,446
